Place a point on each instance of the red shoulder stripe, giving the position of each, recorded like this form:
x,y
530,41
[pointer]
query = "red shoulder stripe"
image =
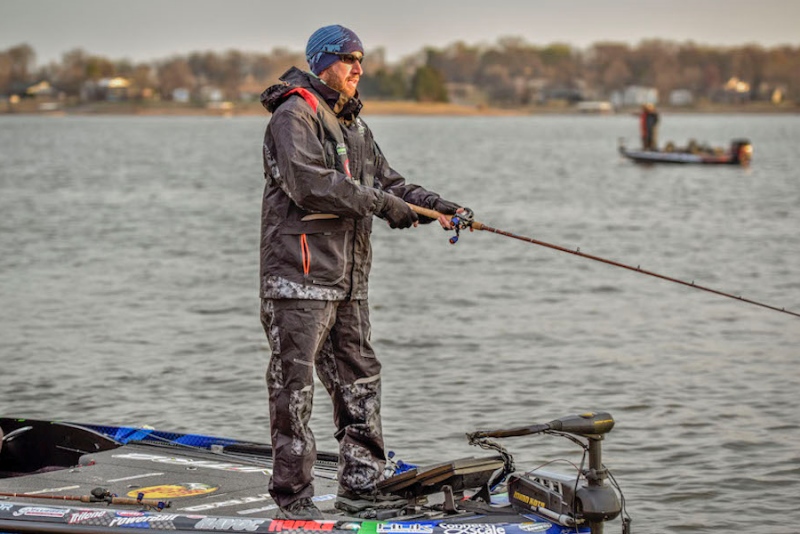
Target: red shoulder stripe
x,y
307,96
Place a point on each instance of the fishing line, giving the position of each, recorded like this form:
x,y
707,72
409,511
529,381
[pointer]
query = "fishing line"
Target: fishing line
x,y
464,220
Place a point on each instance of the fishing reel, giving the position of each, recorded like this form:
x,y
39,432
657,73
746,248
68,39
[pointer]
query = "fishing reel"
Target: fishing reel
x,y
460,222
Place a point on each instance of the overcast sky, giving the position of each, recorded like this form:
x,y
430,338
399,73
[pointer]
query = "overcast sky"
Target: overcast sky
x,y
143,30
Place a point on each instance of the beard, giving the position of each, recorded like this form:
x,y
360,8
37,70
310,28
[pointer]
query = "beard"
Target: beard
x,y
347,85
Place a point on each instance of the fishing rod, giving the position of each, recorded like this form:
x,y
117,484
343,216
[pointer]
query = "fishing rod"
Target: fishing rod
x,y
97,495
465,220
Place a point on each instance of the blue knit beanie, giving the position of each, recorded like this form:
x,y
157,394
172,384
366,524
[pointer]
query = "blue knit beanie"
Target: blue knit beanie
x,y
334,38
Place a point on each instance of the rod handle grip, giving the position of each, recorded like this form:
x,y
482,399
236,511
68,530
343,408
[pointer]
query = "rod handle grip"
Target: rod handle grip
x,y
427,212
433,214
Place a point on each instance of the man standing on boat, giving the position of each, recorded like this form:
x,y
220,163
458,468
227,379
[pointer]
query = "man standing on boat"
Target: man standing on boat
x,y
325,180
649,121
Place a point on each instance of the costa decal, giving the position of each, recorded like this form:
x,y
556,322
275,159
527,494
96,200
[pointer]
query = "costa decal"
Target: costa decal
x,y
471,528
281,525
188,462
173,491
228,523
41,511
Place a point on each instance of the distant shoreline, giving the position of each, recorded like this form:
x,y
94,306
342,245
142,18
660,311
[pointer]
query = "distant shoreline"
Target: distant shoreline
x,y
374,108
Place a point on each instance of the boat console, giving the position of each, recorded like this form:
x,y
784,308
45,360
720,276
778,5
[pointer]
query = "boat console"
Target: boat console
x,y
30,446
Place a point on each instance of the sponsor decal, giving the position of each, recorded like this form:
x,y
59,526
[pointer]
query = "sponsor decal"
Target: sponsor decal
x,y
41,511
229,523
405,528
542,526
527,499
188,462
173,491
471,528
85,517
281,525
145,521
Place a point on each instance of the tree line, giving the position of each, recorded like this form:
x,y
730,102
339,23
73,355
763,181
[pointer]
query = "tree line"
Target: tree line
x,y
510,72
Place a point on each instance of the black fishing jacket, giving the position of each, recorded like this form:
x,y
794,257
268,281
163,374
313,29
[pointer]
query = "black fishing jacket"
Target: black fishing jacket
x,y
325,179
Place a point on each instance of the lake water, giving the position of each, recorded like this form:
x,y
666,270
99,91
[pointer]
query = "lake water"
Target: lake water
x,y
128,295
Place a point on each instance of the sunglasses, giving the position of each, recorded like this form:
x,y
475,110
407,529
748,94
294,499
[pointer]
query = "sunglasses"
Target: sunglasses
x,y
348,59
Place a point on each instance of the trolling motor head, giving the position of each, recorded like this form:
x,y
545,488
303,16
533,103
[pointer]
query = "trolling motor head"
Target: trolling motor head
x,y
587,424
568,500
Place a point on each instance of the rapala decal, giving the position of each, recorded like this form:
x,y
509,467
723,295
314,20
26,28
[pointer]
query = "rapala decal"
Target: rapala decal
x,y
41,511
282,525
173,491
188,462
228,523
471,528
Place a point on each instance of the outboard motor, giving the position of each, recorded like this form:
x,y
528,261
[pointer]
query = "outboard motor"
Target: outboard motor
x,y
567,500
742,152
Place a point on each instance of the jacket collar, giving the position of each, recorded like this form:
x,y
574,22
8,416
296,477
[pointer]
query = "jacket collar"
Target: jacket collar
x,y
347,110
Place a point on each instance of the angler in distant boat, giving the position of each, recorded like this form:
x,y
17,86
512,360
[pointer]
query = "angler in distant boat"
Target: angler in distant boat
x,y
325,179
739,153
648,123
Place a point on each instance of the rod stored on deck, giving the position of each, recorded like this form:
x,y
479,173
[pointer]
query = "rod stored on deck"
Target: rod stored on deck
x,y
97,495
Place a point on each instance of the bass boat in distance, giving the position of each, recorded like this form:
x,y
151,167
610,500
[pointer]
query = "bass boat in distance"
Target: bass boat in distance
x,y
60,477
740,153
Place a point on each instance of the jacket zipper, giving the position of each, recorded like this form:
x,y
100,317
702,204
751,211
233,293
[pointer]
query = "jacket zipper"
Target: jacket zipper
x,y
306,253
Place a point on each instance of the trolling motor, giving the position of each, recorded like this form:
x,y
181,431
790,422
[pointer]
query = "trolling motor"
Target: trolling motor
x,y
742,151
564,499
